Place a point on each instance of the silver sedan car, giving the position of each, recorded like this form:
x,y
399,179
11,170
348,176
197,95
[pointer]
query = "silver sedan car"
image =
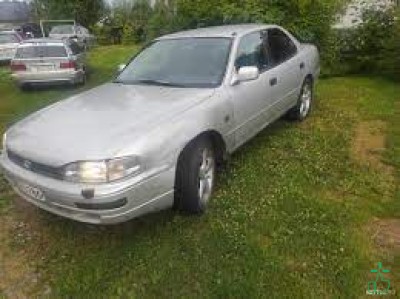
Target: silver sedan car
x,y
152,138
39,61
9,41
79,33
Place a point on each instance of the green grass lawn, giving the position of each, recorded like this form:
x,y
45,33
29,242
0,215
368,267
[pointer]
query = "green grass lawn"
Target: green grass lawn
x,y
290,217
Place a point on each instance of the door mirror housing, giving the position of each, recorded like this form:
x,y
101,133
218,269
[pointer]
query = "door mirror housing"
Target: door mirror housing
x,y
121,67
246,73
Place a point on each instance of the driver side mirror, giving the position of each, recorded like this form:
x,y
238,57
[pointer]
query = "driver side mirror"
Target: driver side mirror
x,y
121,67
246,73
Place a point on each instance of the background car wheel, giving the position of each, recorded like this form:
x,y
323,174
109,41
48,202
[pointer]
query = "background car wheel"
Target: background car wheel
x,y
304,104
195,176
83,78
25,87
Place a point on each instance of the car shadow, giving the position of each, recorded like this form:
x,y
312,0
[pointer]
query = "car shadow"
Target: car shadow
x,y
51,87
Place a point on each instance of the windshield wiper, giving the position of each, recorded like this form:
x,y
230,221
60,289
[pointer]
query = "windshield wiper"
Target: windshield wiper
x,y
158,82
148,82
118,81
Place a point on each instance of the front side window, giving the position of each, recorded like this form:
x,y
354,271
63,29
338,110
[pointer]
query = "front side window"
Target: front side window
x,y
185,62
252,51
281,46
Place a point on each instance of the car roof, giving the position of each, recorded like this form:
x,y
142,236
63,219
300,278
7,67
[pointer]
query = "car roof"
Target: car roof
x,y
219,31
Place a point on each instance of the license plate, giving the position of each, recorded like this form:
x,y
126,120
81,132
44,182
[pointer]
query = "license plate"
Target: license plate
x,y
31,191
42,68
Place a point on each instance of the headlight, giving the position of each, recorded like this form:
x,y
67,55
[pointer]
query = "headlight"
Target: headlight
x,y
96,172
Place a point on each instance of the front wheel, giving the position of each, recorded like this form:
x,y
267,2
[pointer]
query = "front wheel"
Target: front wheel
x,y
195,177
304,103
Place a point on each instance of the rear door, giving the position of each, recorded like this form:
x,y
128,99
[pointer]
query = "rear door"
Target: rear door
x,y
286,67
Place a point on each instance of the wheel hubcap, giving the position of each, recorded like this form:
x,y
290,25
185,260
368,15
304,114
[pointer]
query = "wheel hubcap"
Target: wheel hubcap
x,y
306,98
206,175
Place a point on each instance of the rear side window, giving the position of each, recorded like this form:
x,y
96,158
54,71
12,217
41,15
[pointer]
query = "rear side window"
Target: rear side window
x,y
75,48
41,51
281,46
62,29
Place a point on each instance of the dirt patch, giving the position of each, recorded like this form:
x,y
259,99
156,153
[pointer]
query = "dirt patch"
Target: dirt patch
x,y
369,144
19,277
385,233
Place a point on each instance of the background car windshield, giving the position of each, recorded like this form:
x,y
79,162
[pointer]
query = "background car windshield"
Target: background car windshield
x,y
63,29
8,38
41,51
188,62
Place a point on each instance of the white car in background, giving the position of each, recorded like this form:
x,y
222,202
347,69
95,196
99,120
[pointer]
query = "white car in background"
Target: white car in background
x,y
46,61
79,33
9,41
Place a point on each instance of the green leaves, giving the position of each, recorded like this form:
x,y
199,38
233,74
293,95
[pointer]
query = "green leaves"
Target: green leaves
x,y
86,12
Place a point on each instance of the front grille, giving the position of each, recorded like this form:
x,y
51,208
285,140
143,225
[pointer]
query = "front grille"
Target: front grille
x,y
39,168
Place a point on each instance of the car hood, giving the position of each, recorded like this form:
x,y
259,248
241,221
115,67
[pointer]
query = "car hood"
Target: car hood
x,y
98,123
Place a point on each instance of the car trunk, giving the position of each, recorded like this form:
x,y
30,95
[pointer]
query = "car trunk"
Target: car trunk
x,y
42,59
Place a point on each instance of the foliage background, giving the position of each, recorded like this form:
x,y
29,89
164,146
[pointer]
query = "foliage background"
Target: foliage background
x,y
373,47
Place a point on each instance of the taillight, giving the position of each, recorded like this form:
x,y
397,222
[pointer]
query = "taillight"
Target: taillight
x,y
17,67
68,65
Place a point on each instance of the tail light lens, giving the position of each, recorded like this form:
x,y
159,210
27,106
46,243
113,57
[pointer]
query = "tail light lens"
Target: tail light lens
x,y
68,65
17,67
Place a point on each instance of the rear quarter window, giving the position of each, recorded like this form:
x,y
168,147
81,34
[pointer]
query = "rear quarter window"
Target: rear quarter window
x,y
41,51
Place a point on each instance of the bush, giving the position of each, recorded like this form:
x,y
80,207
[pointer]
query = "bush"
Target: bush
x,y
310,20
374,46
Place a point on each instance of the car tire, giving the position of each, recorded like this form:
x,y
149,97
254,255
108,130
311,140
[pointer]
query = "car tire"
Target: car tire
x,y
195,177
304,104
25,86
83,78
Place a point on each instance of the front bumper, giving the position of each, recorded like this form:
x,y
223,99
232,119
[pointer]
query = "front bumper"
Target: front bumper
x,y
68,76
134,197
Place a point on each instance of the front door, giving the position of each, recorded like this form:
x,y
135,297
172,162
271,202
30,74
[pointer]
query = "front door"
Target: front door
x,y
251,99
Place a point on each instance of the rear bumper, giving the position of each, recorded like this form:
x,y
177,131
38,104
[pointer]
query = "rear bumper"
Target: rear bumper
x,y
112,203
70,76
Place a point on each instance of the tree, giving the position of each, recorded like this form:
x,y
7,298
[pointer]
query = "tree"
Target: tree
x,y
85,12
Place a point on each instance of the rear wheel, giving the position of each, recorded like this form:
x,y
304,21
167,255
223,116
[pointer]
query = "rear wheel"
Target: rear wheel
x,y
195,177
304,103
82,77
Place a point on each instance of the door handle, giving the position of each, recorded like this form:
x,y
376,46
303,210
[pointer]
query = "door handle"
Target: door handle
x,y
273,81
302,65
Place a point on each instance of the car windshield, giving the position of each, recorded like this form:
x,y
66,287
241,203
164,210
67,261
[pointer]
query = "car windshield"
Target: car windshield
x,y
186,62
62,29
40,51
8,38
